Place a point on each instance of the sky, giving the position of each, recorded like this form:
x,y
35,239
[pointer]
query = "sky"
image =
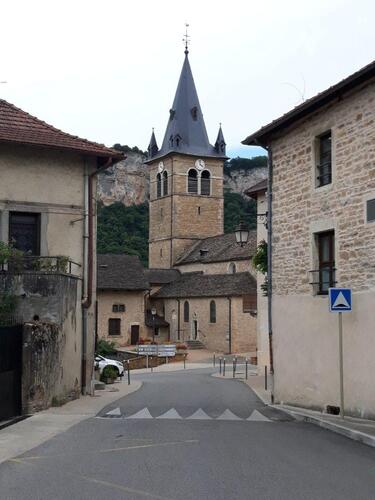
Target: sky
x,y
108,71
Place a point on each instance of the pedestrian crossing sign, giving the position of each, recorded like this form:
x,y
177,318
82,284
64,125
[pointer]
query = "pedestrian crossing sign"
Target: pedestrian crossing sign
x,y
340,299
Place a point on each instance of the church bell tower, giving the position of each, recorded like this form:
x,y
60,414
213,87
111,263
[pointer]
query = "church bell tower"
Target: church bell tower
x,y
186,179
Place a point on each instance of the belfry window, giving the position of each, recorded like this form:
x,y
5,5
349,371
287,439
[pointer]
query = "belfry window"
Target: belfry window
x,y
158,186
192,181
206,183
165,183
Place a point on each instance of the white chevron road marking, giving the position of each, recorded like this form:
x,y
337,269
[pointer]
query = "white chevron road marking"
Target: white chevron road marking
x,y
170,414
199,415
114,413
256,416
228,415
141,414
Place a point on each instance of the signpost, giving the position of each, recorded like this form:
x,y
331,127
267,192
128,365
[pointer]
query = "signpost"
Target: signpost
x,y
340,300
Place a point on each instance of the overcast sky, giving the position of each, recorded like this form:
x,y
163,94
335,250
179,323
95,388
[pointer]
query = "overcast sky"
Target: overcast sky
x,y
108,70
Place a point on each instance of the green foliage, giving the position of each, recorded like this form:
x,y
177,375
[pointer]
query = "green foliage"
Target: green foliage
x,y
237,208
8,252
8,304
104,347
109,372
128,149
260,258
124,230
244,164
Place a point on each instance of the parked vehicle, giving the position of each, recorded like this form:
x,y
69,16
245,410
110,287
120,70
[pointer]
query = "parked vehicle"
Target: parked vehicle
x,y
101,362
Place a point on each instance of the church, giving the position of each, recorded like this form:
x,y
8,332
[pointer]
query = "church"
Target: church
x,y
200,287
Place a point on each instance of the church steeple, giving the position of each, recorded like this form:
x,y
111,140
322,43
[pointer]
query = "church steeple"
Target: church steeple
x,y
153,146
220,144
186,131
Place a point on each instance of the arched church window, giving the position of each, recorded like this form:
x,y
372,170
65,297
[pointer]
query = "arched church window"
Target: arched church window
x,y
186,311
192,181
212,311
158,186
165,183
206,183
232,268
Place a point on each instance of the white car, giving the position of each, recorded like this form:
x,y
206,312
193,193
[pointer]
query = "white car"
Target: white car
x,y
101,362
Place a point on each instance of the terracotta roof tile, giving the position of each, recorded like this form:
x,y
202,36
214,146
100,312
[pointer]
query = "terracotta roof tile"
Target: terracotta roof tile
x,y
17,126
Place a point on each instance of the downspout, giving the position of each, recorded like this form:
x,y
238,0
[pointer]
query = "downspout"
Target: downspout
x,y
269,265
88,262
230,324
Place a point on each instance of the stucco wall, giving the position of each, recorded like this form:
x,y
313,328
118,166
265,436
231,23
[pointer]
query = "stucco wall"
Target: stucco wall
x,y
305,334
134,314
218,267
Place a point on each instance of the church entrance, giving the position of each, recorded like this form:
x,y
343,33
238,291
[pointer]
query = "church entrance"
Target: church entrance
x,y
194,330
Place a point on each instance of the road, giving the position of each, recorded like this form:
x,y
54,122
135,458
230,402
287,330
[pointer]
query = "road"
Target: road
x,y
218,454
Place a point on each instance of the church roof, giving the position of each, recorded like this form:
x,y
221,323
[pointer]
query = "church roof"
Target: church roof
x,y
209,285
259,187
17,126
121,272
161,276
219,249
186,131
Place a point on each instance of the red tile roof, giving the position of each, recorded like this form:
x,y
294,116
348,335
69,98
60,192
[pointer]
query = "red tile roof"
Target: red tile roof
x,y
17,126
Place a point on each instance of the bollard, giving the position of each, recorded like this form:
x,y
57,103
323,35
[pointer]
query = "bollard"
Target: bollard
x,y
220,360
265,377
246,368
234,369
214,360
152,368
166,360
184,361
224,367
146,361
128,372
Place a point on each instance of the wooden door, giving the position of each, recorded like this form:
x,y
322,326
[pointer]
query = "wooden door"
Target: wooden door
x,y
134,334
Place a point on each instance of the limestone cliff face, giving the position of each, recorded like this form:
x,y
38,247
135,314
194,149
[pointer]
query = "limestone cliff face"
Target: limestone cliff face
x,y
128,181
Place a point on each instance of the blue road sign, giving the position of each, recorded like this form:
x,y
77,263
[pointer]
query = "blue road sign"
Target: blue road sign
x,y
340,299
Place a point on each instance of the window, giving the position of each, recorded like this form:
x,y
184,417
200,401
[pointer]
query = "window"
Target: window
x,y
324,159
370,210
232,268
165,183
326,256
114,326
158,186
186,311
24,232
206,183
161,252
118,308
192,181
212,311
249,303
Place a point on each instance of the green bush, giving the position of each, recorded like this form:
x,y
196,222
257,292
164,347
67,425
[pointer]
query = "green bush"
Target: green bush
x,y
104,347
109,372
260,258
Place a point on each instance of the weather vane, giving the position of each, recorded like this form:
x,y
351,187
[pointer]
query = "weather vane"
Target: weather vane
x,y
186,39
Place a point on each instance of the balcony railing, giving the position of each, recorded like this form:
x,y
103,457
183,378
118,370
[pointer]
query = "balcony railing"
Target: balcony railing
x,y
323,279
40,264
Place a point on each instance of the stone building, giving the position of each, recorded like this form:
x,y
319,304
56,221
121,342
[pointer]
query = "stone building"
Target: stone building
x,y
200,280
321,195
47,183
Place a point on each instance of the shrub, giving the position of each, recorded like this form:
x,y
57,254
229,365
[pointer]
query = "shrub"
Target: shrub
x,y
109,372
104,347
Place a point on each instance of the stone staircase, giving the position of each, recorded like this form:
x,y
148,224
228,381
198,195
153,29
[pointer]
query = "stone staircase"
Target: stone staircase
x,y
194,344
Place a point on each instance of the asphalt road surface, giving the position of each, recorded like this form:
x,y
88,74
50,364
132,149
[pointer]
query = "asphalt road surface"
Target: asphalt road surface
x,y
187,435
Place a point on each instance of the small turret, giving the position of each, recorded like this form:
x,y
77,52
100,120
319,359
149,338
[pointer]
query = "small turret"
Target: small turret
x,y
152,147
220,144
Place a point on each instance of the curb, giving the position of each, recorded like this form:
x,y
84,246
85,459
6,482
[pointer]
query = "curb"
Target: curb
x,y
355,435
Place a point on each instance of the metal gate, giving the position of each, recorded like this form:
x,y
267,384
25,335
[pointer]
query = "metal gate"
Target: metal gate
x,y
10,371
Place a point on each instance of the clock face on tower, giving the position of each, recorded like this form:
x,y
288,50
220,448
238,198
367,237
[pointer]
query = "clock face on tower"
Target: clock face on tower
x,y
160,167
199,164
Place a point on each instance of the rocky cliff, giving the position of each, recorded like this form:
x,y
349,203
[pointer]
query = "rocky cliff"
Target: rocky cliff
x,y
128,181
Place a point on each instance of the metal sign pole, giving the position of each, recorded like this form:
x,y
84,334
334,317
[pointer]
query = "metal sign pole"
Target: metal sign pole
x,y
341,361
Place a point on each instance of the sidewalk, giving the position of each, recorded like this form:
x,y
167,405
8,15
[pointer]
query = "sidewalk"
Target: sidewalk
x,y
354,428
35,430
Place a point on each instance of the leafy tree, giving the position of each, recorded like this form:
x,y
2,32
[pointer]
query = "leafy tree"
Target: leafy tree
x,y
237,208
244,164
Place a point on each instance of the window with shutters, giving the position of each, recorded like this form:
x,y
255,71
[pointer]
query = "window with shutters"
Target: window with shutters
x,y
165,183
158,186
206,183
192,181
249,303
114,326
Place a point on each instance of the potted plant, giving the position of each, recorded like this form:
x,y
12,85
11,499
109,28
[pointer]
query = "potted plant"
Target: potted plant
x,y
109,375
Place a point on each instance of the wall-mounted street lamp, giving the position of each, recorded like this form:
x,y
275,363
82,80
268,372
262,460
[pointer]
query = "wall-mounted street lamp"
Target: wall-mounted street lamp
x,y
242,230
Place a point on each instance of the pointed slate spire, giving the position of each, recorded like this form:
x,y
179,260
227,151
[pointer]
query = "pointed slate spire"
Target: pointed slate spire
x,y
152,147
186,131
220,144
